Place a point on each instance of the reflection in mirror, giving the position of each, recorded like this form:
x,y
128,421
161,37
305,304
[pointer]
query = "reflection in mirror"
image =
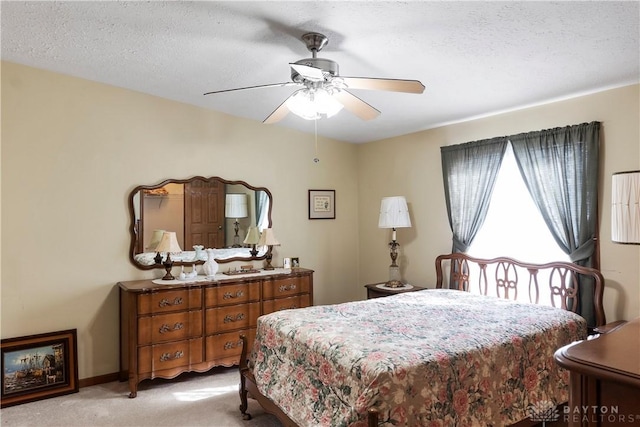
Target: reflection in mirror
x,y
204,213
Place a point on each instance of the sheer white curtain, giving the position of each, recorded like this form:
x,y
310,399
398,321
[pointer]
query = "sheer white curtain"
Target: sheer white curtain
x,y
514,226
263,210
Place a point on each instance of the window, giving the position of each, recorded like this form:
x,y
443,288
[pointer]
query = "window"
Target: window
x,y
560,166
514,226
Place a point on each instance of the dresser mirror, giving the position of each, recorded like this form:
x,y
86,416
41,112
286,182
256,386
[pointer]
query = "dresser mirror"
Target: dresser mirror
x,y
204,213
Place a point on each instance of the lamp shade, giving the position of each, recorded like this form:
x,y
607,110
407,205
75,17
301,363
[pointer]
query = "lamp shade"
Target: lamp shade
x,y
155,239
235,205
625,207
394,213
253,236
267,238
168,243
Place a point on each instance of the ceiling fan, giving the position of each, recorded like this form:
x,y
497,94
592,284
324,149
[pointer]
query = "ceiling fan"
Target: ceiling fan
x,y
323,92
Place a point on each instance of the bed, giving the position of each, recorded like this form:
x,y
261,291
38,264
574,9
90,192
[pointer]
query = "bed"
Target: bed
x,y
476,350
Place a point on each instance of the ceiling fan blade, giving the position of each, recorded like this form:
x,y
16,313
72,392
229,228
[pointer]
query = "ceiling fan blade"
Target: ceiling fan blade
x,y
254,87
392,85
278,114
356,105
308,72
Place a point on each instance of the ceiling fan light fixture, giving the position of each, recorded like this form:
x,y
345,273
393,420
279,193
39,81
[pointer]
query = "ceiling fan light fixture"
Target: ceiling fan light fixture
x,y
313,104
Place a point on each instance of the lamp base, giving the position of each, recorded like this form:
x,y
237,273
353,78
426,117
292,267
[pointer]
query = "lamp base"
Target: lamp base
x,y
268,259
394,284
168,264
394,277
168,276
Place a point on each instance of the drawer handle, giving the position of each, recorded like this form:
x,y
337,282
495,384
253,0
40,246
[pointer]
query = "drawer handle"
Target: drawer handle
x,y
289,308
231,344
229,295
166,328
168,356
165,302
229,318
285,288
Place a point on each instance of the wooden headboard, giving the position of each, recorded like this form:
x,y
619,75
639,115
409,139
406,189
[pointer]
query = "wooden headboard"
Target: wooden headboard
x,y
554,283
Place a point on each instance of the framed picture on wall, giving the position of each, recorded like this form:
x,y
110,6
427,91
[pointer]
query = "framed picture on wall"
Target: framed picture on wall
x,y
40,366
322,204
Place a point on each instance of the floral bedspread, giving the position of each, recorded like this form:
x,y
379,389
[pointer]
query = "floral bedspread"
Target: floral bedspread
x,y
429,358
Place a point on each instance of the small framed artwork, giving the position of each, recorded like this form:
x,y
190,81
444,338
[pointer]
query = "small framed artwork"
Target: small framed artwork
x,y
286,263
40,366
322,204
295,262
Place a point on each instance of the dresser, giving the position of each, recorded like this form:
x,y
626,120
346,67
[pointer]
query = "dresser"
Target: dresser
x,y
170,328
604,375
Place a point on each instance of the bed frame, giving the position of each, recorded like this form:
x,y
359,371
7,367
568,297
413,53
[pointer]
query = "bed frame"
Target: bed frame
x,y
504,277
509,278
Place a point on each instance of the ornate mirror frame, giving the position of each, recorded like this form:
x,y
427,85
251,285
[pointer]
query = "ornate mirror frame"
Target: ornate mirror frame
x,y
141,192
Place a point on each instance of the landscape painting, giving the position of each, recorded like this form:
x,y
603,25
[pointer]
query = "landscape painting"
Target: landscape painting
x,y
38,366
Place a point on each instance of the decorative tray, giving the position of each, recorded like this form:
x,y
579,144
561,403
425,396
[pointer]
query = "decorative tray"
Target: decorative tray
x,y
235,272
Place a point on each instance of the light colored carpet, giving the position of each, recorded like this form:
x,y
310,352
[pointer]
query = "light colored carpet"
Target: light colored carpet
x,y
186,401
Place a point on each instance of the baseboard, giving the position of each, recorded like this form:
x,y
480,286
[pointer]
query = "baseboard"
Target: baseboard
x,y
100,379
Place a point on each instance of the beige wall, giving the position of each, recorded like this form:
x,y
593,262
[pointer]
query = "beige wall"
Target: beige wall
x,y
72,150
410,166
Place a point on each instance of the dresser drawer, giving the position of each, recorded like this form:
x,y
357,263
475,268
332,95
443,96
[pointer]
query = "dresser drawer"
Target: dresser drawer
x,y
232,294
299,301
284,287
154,358
228,346
224,319
164,301
169,327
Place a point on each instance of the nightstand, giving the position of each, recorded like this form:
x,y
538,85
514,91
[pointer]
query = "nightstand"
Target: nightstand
x,y
376,290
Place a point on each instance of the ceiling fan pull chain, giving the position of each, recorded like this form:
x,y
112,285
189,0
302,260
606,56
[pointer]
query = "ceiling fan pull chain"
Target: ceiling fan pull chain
x,y
315,133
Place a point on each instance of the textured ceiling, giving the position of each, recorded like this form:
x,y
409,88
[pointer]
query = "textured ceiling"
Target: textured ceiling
x,y
475,58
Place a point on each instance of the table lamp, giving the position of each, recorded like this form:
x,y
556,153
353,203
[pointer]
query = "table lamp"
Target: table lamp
x,y
155,240
236,207
267,238
168,244
253,237
394,213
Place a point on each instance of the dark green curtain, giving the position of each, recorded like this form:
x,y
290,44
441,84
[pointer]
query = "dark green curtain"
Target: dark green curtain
x,y
469,172
560,169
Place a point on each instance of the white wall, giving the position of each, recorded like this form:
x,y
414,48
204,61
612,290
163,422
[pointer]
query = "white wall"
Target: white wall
x,y
73,150
411,166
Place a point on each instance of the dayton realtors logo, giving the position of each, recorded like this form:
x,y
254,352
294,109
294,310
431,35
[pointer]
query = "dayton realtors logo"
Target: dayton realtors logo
x,y
603,415
546,411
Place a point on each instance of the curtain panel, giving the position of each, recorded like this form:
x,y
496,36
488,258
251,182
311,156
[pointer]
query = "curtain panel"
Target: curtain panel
x,y
560,168
469,172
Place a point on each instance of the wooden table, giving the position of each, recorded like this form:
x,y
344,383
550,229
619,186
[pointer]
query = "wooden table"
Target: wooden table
x,y
604,378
